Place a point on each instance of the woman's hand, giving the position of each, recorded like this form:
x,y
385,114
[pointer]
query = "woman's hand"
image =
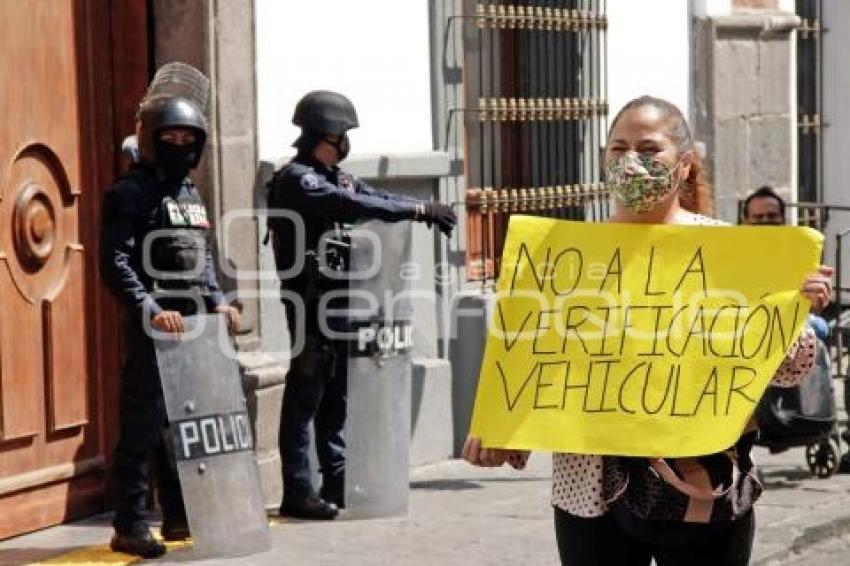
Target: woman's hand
x,y
818,288
475,454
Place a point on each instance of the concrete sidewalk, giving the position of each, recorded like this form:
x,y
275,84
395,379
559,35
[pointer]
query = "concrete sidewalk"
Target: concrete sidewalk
x,y
461,515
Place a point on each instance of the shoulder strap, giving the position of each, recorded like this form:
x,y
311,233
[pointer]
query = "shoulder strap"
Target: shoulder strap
x,y
701,493
741,464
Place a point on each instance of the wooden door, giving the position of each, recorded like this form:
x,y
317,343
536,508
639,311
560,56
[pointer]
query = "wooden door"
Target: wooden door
x,y
58,351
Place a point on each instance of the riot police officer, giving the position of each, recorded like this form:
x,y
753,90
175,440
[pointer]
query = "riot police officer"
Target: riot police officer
x,y
326,199
155,258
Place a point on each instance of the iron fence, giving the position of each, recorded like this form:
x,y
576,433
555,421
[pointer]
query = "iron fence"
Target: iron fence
x,y
809,100
536,115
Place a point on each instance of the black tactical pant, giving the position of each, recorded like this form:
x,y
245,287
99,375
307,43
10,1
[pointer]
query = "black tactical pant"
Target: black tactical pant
x,y
316,392
141,438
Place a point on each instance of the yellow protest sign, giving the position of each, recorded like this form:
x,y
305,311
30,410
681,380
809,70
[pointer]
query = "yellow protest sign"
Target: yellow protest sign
x,y
637,340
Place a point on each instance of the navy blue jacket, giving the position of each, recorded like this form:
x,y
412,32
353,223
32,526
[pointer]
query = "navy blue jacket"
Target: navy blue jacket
x,y
323,197
132,208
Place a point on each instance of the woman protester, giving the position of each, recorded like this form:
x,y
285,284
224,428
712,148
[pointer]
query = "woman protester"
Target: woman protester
x,y
629,511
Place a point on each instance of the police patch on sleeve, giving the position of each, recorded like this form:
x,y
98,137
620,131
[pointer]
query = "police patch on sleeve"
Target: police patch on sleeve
x,y
309,181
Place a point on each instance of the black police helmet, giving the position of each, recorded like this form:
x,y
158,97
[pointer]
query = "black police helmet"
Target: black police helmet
x,y
326,113
160,113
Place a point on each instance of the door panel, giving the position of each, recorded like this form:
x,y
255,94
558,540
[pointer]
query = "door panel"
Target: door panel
x,y
61,105
65,360
19,392
40,192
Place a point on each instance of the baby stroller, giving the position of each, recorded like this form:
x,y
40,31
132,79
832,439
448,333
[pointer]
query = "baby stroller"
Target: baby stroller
x,y
803,416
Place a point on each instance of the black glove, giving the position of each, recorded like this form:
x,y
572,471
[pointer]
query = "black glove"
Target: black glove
x,y
441,215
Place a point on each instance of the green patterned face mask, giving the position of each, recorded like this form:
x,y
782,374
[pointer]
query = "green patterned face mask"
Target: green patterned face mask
x,y
639,181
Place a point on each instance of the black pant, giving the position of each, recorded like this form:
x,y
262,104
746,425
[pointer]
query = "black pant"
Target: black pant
x,y
607,541
316,391
142,421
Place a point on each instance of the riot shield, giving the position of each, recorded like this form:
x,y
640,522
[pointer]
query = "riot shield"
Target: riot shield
x,y
378,424
212,441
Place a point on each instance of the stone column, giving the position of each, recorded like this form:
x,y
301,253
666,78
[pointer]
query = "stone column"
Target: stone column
x,y
744,102
218,38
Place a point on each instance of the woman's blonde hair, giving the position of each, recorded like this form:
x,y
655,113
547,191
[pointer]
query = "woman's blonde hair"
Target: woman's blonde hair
x,y
695,194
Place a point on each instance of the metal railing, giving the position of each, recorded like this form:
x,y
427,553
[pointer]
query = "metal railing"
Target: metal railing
x,y
489,211
810,99
535,117
841,326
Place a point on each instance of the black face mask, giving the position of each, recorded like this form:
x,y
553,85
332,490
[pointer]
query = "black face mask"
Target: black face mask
x,y
342,146
175,161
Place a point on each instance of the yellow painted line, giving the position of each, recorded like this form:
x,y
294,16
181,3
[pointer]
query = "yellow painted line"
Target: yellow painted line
x,y
99,555
102,555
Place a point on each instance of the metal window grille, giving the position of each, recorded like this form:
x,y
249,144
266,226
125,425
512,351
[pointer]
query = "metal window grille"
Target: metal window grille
x,y
809,113
535,115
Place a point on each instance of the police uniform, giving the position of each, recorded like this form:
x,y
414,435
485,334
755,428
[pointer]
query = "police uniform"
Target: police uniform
x,y
155,257
327,199
134,207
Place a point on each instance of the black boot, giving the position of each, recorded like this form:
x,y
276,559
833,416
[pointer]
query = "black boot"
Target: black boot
x,y
311,507
139,542
174,528
333,490
844,464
